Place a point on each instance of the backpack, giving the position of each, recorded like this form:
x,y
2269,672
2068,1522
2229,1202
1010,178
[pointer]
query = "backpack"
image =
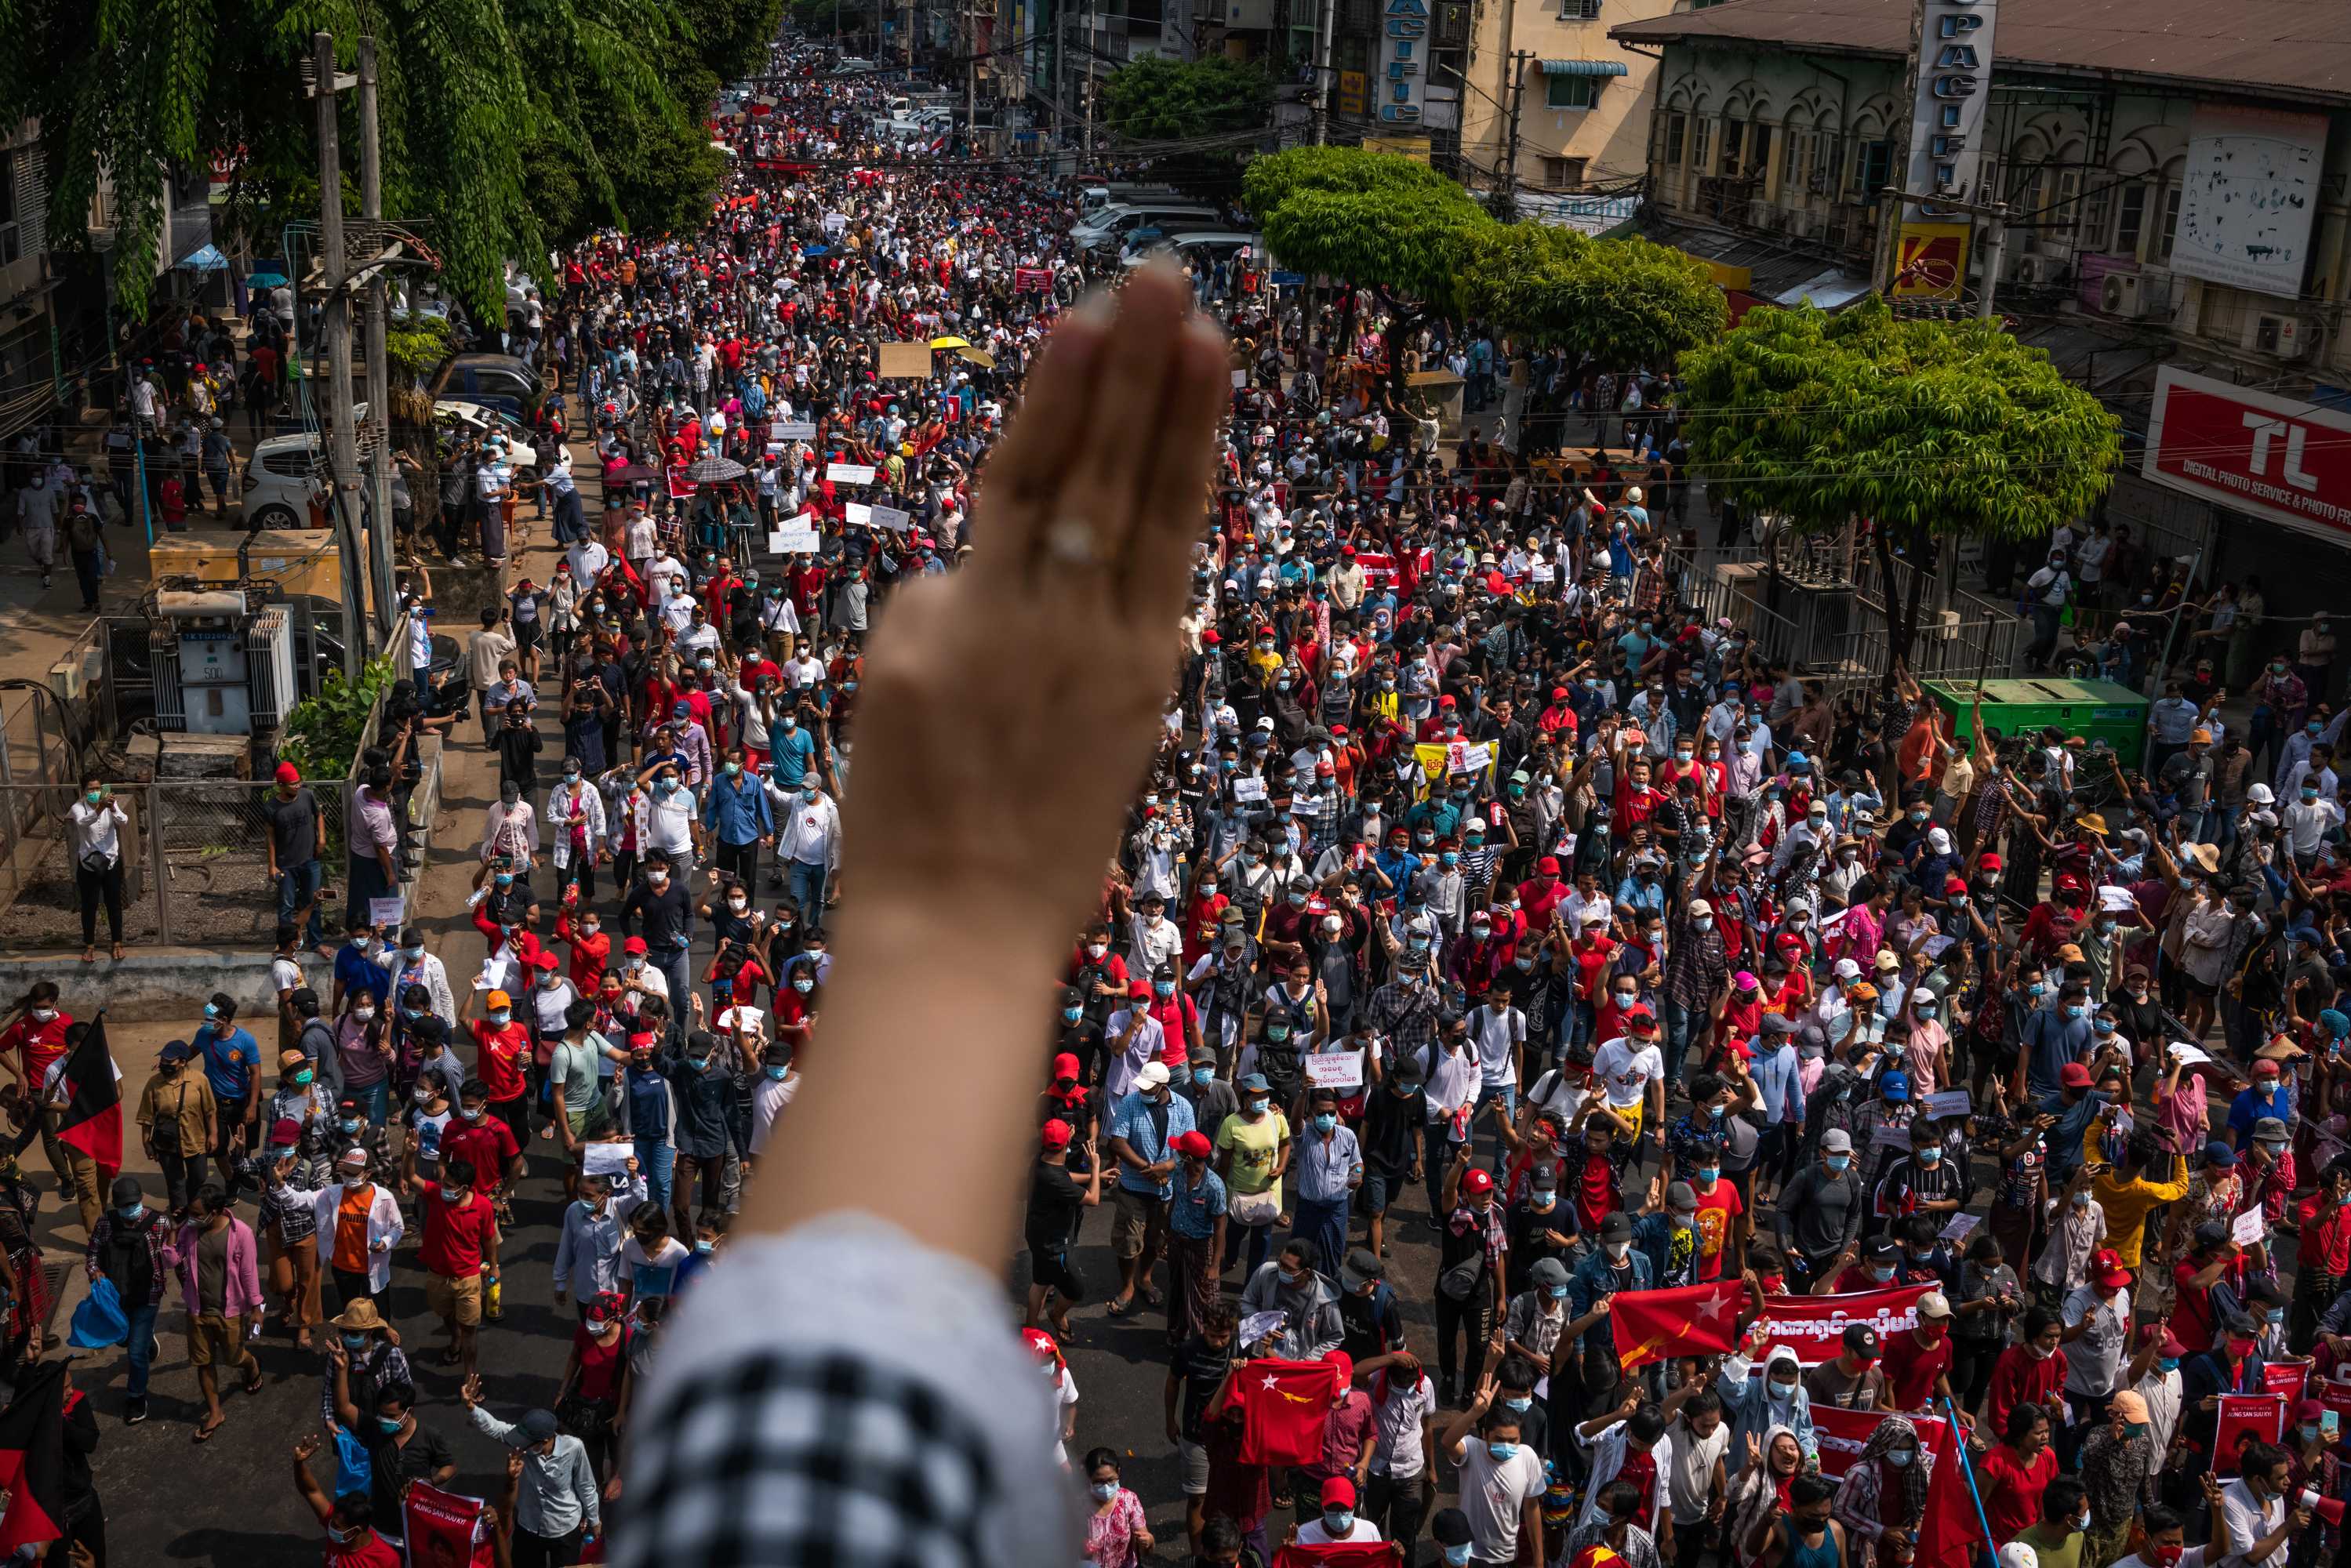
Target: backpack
x,y
1284,1069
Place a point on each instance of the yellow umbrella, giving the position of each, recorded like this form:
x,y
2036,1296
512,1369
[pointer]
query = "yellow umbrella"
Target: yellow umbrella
x,y
950,343
980,357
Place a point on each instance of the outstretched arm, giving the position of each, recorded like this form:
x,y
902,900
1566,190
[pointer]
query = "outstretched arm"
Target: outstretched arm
x,y
1078,595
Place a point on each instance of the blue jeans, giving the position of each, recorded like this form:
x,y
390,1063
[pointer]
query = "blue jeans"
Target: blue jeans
x,y
807,883
671,963
1681,1023
654,1158
142,1348
298,887
375,1101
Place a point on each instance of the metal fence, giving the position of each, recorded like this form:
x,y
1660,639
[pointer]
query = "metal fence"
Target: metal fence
x,y
195,860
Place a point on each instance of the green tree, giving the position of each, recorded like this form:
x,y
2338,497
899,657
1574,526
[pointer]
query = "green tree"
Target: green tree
x,y
1613,304
1161,100
1929,429
476,96
1373,220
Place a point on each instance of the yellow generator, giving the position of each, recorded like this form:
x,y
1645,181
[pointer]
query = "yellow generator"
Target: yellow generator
x,y
302,563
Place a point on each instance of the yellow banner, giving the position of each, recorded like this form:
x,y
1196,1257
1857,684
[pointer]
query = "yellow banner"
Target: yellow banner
x,y
1930,261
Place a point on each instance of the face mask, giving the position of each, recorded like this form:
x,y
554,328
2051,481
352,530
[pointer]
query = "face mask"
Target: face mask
x,y
1071,1015
1898,1458
501,1018
1325,1121
1783,1390
1254,1108
1709,1175
1930,1157
470,1113
1105,1490
1840,1163
132,1211
354,1341
303,1080
413,954
1502,1452
1455,1556
2080,1200
1881,1272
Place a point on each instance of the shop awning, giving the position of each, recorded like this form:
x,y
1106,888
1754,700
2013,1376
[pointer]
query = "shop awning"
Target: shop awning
x,y
1583,67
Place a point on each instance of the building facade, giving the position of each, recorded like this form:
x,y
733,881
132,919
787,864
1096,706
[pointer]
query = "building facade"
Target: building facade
x,y
1580,103
2177,183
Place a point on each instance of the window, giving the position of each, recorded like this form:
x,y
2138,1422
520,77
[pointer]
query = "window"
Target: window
x,y
1580,10
2170,221
1676,131
1791,158
2130,218
12,232
1828,173
1734,136
1701,142
1759,151
1445,68
1564,173
1876,168
1571,92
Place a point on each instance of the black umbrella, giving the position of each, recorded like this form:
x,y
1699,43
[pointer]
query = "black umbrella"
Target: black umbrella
x,y
634,473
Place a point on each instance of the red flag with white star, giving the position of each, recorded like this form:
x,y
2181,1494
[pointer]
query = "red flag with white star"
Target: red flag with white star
x,y
1695,1320
1283,1404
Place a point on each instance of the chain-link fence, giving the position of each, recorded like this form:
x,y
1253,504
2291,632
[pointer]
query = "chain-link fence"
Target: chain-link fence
x,y
196,859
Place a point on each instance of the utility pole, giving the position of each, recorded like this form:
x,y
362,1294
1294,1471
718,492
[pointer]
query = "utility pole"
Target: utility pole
x,y
342,438
1330,19
378,370
1510,151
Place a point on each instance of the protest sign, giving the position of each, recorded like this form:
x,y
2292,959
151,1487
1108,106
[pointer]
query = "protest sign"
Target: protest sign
x,y
1814,1326
1949,1103
609,1159
792,430
858,514
794,541
2246,1229
386,911
1843,1434
850,473
907,360
2286,1379
2243,1418
1335,1069
1246,790
891,518
441,1525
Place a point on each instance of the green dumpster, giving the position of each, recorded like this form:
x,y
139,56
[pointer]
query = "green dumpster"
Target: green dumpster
x,y
2094,710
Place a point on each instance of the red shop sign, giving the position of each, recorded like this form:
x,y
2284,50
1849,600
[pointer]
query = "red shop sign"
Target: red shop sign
x,y
2274,457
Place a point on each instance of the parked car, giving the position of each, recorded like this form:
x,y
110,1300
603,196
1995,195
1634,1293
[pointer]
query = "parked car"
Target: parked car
x,y
1113,223
501,381
1196,247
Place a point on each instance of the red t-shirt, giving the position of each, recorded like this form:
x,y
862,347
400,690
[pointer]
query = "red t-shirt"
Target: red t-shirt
x,y
1716,1210
457,1236
2020,1377
488,1145
499,1055
372,1551
1537,900
2010,1488
41,1043
1912,1368
1282,1405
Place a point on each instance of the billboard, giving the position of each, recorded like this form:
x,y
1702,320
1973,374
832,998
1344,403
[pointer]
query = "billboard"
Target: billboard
x,y
2273,457
2249,197
1930,261
1948,101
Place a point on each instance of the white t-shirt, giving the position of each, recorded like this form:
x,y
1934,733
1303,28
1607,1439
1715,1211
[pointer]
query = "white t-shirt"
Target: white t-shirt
x,y
1312,1532
1626,1071
1494,1494
768,1099
285,975
1496,1032
1689,1470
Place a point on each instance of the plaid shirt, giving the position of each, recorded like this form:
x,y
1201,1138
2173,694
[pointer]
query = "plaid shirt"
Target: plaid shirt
x,y
1407,1015
1696,970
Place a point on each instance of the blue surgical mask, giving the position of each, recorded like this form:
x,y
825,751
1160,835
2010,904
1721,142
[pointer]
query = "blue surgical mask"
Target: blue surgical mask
x,y
1324,1121
1204,1076
779,1073
1338,1522
2074,1009
1105,1490
2167,1364
1455,1556
354,1342
1520,1405
1071,1015
1502,1451
1898,1458
389,1423
1840,1163
1930,1155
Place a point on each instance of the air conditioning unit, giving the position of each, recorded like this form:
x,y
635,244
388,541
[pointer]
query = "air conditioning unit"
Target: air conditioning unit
x,y
1802,223
2284,337
2040,269
2123,294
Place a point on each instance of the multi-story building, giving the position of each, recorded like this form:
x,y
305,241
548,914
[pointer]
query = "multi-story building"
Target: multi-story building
x,y
2175,176
1581,104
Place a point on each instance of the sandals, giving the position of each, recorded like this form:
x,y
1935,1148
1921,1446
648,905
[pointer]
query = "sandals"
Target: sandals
x,y
1125,1309
253,1384
206,1431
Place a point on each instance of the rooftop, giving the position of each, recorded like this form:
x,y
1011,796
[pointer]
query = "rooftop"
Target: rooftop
x,y
2265,49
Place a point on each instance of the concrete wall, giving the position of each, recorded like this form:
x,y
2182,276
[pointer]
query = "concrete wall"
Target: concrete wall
x,y
1611,137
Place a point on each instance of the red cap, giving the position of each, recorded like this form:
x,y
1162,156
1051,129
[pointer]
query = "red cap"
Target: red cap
x,y
1337,1492
1641,1020
1057,1134
1065,1065
1548,865
1210,639
635,944
1990,863
2075,1075
1041,1345
1478,1181
1348,551
546,960
1447,702
2265,1068
1138,988
1194,1144
2106,1268
289,773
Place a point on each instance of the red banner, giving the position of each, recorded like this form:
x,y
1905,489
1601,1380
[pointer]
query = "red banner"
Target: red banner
x,y
1031,279
442,1528
1953,1534
2243,1417
1695,1320
2276,457
1340,1554
2288,1379
1843,1435
1814,1326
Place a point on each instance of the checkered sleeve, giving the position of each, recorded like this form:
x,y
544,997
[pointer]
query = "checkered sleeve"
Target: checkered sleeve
x,y
842,1394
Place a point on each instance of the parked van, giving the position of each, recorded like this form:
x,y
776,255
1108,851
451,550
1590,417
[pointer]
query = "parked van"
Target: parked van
x,y
1115,222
